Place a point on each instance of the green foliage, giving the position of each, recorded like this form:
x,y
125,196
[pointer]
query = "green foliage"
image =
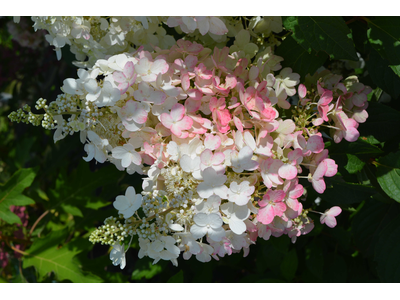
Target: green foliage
x,y
328,34
11,194
384,36
299,59
46,255
388,174
383,75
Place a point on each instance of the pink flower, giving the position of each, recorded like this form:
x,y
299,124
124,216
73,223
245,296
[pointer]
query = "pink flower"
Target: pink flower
x,y
208,159
149,70
289,170
328,217
220,114
323,104
147,93
176,121
125,78
326,167
132,115
271,206
269,172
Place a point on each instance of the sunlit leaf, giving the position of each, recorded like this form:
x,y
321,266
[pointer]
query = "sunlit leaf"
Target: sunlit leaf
x,y
46,256
388,175
11,194
328,33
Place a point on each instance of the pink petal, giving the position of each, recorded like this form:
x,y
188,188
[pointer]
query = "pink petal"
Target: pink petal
x,y
185,82
159,66
276,195
319,185
265,215
326,98
186,123
206,156
287,171
331,167
330,221
218,158
119,77
321,170
334,211
302,90
315,143
128,69
177,112
166,120
212,142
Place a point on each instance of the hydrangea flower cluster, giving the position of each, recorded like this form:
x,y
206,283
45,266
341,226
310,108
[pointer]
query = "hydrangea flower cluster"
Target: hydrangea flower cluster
x,y
93,38
222,137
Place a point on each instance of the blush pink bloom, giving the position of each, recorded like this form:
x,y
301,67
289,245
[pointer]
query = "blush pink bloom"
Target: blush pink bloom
x,y
271,206
147,93
326,167
176,121
269,172
220,114
125,78
208,159
132,115
149,70
328,217
289,170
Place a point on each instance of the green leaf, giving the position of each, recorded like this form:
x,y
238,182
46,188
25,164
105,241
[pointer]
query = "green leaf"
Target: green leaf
x,y
396,69
177,278
11,194
376,230
387,252
354,164
328,34
369,222
384,36
145,269
46,257
360,148
297,58
381,116
77,190
289,265
388,175
346,193
382,75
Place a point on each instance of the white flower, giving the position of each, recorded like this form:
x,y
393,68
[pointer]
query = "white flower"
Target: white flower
x,y
210,206
109,95
235,216
189,245
286,80
149,70
213,184
128,204
240,194
205,254
165,249
127,154
207,224
97,148
242,161
117,255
